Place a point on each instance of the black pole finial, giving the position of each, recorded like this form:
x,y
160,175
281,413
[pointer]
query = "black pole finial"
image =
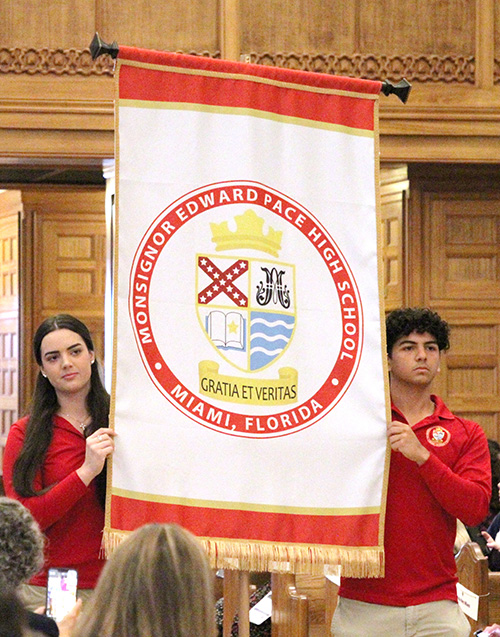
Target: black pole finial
x,y
401,89
98,47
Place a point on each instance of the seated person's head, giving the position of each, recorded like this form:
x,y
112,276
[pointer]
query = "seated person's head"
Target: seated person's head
x,y
404,321
12,616
21,544
157,582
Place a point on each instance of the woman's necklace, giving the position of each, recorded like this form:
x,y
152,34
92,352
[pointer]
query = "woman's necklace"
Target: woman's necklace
x,y
82,424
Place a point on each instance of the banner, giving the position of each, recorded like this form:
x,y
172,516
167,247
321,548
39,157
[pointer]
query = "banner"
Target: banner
x,y
249,392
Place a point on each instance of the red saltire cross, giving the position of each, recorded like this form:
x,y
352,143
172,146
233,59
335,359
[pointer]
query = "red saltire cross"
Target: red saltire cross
x,y
223,282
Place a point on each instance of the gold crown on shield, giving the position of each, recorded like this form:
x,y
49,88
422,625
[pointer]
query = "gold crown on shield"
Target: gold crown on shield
x,y
248,234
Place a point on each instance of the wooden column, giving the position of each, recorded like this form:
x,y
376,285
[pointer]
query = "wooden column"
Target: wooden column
x,y
485,43
236,601
229,29
290,608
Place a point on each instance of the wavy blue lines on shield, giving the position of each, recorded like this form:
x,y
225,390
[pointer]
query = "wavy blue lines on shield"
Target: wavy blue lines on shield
x,y
270,333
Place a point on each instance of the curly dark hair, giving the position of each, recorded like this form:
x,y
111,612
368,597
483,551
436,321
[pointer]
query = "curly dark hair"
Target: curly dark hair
x,y
404,321
21,544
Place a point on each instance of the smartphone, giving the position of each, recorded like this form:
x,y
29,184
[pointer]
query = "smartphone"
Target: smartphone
x,y
61,592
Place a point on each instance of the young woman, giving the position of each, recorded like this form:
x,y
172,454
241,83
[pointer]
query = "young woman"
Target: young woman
x,y
157,582
54,458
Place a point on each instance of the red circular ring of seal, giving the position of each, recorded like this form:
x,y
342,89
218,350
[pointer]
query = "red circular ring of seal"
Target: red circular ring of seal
x,y
290,420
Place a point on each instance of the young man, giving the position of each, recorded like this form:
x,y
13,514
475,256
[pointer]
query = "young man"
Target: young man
x,y
440,471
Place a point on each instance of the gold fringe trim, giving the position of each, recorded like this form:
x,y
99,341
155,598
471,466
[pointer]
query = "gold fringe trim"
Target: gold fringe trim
x,y
279,558
111,539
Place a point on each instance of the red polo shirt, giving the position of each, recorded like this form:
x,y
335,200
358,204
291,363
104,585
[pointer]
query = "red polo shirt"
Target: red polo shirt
x,y
422,506
68,513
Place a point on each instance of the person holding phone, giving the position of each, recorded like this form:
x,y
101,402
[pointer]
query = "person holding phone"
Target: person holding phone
x,y
62,584
54,461
492,538
21,556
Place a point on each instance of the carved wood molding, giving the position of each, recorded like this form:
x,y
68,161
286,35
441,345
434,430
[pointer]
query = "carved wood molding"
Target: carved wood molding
x,y
54,61
420,67
63,61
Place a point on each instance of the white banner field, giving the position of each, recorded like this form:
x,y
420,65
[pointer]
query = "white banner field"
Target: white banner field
x,y
249,389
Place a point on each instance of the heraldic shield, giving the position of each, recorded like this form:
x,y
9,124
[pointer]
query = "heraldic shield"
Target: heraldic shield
x,y
246,307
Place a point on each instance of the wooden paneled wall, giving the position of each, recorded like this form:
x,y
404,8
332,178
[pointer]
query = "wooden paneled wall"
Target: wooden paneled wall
x,y
394,191
454,260
55,101
387,27
63,263
441,249
10,211
71,23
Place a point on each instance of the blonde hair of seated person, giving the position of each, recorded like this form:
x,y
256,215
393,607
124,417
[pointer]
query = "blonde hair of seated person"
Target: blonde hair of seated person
x,y
156,583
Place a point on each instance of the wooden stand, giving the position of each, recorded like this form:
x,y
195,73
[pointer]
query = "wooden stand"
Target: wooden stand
x,y
236,601
303,605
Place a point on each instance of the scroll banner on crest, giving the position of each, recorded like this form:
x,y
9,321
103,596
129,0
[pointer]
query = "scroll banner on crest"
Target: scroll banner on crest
x,y
249,392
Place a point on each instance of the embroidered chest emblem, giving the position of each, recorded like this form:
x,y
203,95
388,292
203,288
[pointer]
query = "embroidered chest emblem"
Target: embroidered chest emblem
x,y
438,436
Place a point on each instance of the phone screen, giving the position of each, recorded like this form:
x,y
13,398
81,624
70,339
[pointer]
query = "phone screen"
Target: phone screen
x,y
61,592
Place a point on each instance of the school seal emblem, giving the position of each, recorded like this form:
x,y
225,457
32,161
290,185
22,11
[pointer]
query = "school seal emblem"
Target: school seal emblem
x,y
278,323
438,436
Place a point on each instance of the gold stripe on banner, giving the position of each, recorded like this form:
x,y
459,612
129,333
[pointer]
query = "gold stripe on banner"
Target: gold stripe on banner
x,y
250,112
243,506
249,78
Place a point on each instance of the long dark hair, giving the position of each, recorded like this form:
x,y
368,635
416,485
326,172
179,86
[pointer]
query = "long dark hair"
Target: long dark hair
x,y
44,405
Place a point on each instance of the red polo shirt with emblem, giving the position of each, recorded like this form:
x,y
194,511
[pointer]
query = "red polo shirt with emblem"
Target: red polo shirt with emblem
x,y
422,506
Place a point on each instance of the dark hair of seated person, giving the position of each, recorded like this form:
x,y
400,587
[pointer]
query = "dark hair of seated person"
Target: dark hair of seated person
x,y
13,621
21,556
